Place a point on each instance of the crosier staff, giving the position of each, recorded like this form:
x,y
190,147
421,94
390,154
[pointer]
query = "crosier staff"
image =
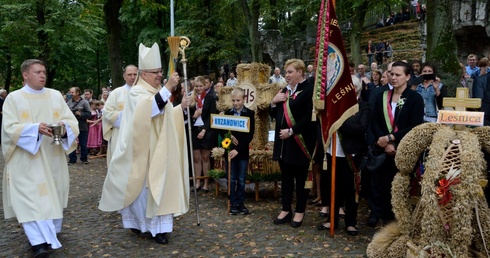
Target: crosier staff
x,y
179,44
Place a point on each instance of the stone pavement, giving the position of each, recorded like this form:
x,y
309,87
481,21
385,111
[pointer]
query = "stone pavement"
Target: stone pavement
x,y
88,232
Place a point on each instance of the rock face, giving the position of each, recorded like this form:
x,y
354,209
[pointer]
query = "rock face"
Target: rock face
x,y
278,50
472,27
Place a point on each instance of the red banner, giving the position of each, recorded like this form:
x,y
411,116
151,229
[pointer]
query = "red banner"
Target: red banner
x,y
335,96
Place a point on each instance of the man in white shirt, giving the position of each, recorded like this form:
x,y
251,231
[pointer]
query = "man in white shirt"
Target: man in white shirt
x,y
232,81
277,77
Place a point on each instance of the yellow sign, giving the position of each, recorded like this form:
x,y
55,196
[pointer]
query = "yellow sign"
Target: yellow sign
x,y
460,117
232,123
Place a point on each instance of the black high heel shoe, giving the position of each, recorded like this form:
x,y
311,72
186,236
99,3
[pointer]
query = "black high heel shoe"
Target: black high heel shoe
x,y
297,224
284,220
323,227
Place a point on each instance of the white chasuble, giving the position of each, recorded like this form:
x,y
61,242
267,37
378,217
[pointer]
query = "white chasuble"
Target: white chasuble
x,y
150,152
111,116
36,179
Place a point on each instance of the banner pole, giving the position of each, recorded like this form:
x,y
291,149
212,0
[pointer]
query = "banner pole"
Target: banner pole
x,y
333,208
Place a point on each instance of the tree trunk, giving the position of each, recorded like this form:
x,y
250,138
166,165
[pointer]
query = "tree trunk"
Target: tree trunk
x,y
273,24
43,39
441,44
356,32
114,36
8,73
252,17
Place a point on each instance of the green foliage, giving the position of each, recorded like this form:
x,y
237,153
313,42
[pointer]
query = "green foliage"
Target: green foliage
x,y
65,34
254,176
217,173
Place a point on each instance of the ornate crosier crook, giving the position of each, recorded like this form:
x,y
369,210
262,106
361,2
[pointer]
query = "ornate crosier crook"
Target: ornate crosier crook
x,y
179,44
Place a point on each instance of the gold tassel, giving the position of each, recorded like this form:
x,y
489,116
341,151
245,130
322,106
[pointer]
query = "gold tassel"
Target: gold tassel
x,y
325,165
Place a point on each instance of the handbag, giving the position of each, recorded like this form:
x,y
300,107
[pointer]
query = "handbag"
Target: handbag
x,y
375,157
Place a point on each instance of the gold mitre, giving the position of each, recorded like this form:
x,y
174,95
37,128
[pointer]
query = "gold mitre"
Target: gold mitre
x,y
149,58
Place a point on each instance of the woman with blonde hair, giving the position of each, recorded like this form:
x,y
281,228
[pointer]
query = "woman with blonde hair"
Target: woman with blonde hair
x,y
294,140
202,106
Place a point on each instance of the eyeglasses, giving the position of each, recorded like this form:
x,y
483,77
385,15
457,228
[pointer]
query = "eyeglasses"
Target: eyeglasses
x,y
155,72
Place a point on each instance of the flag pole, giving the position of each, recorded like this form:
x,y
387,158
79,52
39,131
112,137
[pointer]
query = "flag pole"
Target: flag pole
x,y
172,24
333,208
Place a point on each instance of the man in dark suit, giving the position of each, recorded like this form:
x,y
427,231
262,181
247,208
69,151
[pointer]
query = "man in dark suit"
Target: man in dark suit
x,y
480,90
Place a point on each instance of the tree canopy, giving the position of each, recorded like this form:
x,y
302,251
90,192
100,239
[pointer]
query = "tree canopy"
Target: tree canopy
x,y
87,43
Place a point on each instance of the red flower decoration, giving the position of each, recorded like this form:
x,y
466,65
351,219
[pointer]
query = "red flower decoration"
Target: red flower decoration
x,y
443,190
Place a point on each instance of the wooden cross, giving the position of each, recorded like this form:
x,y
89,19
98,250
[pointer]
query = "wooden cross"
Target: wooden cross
x,y
466,14
461,102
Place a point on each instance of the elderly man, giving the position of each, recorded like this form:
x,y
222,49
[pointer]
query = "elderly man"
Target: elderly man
x,y
277,77
147,179
36,179
112,112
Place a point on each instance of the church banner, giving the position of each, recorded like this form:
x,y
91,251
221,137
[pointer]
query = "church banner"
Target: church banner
x,y
334,97
232,123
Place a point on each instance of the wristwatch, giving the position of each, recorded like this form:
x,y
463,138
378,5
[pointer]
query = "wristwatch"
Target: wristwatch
x,y
290,131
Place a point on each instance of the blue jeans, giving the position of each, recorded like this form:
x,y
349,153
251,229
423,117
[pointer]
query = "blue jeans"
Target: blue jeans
x,y
237,184
82,141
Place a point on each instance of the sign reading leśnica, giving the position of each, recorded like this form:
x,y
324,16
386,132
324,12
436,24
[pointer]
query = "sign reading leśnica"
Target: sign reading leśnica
x,y
232,123
460,117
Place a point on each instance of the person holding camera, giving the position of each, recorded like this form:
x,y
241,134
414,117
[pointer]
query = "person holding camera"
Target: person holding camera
x,y
81,110
432,91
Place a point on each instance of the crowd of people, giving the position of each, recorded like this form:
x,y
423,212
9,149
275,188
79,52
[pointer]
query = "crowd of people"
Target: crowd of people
x,y
141,126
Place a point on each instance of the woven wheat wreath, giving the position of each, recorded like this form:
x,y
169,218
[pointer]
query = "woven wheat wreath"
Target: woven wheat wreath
x,y
451,218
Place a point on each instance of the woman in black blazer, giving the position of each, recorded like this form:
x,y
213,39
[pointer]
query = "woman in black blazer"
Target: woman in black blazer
x,y
202,107
294,140
351,144
395,113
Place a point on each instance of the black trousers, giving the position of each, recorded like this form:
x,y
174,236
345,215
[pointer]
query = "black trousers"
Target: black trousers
x,y
293,175
381,189
344,190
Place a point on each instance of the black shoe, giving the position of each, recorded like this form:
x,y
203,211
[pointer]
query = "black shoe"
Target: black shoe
x,y
284,220
161,238
352,232
136,231
244,210
205,190
40,251
85,162
297,224
71,163
323,214
323,227
234,209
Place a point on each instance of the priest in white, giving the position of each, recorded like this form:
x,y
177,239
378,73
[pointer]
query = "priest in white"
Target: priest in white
x,y
36,179
112,112
147,179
